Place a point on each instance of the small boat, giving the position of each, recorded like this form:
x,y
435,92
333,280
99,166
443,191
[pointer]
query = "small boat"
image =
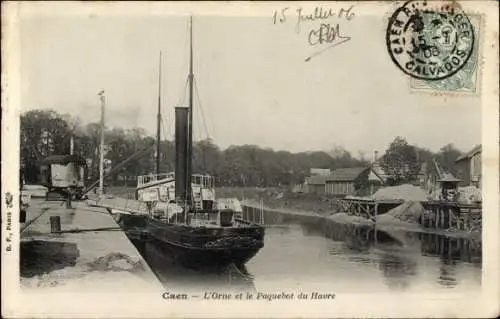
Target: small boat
x,y
185,218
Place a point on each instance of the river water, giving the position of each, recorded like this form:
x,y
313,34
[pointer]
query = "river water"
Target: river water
x,y
322,255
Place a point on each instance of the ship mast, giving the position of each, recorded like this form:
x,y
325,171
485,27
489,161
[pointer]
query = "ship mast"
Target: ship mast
x,y
190,121
158,121
101,145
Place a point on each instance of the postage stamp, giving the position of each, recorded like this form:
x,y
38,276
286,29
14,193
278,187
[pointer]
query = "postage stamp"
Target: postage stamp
x,y
465,80
249,159
436,44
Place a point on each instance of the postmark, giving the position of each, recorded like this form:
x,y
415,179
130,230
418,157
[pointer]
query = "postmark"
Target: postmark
x,y
464,81
430,40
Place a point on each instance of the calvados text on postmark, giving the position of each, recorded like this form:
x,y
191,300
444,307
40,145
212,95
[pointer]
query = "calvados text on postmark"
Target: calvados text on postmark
x,y
430,40
464,81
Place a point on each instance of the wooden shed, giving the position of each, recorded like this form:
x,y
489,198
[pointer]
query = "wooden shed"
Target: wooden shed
x,y
350,181
315,184
469,167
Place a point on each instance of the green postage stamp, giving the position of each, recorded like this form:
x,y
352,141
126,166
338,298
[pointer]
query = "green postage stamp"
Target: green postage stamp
x,y
465,80
437,45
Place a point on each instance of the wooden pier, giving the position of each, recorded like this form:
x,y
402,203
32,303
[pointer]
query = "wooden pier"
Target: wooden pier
x,y
437,214
451,215
365,207
80,248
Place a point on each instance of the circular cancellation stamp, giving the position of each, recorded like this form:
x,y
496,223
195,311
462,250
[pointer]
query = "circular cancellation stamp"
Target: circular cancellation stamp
x,y
430,40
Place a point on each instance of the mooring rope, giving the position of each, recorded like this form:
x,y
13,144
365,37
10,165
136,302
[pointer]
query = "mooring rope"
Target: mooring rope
x,y
28,224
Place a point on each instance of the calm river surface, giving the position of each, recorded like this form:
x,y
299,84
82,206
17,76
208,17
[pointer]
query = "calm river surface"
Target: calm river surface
x,y
321,255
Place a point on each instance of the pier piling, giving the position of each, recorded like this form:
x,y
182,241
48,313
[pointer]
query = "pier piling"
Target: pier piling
x,y
55,224
68,200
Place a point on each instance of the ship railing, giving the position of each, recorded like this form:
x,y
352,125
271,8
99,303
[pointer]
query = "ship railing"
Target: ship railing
x,y
205,181
152,178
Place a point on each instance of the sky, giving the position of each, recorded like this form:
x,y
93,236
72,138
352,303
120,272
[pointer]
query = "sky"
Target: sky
x,y
254,84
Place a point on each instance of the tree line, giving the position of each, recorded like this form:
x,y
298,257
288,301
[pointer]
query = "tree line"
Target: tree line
x,y
47,132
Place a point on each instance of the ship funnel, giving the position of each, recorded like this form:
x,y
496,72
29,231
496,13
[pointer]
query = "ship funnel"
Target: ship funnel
x,y
181,153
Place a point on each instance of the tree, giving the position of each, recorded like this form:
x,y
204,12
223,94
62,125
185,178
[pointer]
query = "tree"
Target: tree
x,y
343,158
43,133
400,161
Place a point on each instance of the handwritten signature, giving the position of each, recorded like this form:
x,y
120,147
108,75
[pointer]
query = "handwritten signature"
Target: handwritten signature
x,y
326,33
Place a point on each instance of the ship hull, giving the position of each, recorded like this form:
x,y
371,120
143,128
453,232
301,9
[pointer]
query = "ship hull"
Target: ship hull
x,y
194,246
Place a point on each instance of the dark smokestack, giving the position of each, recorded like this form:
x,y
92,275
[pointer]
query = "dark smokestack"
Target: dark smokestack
x,y
181,152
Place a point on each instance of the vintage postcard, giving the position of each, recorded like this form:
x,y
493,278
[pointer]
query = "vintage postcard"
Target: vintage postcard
x,y
250,159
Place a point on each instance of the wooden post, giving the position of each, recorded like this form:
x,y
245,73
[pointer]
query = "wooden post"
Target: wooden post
x,y
55,224
68,198
22,215
442,217
449,218
262,212
436,215
441,245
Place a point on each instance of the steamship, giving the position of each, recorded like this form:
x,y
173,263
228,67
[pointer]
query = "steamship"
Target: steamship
x,y
185,219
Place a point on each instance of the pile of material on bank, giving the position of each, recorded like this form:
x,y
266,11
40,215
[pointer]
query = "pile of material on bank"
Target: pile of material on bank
x,y
465,195
408,212
406,192
469,194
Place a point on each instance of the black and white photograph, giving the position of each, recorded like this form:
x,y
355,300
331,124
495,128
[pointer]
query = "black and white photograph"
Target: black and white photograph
x,y
250,159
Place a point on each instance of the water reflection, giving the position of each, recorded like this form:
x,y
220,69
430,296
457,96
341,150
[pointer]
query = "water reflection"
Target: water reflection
x,y
175,277
447,273
397,270
361,238
298,247
451,248
357,238
397,254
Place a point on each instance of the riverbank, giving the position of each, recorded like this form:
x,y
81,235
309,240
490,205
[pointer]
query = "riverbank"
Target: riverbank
x,y
281,198
382,222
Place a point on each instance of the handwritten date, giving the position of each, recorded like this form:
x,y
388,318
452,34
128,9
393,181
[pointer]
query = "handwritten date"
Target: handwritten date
x,y
319,33
318,14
